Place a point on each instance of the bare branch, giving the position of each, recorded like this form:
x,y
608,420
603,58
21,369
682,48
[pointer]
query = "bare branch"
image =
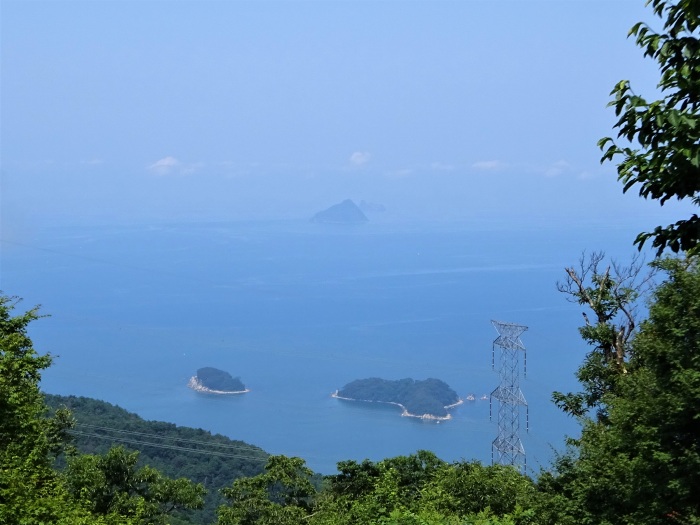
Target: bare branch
x,y
612,295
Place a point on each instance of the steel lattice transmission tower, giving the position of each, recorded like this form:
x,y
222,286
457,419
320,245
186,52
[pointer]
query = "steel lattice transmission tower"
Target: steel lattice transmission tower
x,y
507,449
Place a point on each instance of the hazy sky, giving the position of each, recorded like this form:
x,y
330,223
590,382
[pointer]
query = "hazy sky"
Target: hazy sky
x,y
151,110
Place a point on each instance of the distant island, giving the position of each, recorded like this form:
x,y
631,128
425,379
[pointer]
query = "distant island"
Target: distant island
x,y
346,212
214,381
371,207
428,399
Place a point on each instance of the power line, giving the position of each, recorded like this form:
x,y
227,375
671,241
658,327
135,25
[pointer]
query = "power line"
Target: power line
x,y
157,436
122,439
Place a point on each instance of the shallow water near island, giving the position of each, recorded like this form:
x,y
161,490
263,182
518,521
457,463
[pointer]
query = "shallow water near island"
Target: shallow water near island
x,y
299,310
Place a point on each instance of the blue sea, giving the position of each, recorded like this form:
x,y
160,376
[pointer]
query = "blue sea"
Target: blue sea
x,y
297,310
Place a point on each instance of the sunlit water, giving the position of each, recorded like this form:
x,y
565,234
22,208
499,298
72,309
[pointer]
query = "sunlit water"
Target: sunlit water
x,y
297,310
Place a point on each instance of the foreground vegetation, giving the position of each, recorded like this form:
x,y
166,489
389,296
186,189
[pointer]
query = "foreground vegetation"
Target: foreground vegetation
x,y
214,461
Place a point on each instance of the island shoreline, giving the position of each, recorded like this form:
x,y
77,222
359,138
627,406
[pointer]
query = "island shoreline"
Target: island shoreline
x,y
196,385
405,412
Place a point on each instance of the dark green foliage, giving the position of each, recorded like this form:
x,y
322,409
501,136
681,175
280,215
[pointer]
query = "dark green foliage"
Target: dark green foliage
x,y
22,422
30,491
216,379
219,461
282,495
643,465
113,484
663,155
430,396
470,487
422,489
419,489
661,405
640,464
356,480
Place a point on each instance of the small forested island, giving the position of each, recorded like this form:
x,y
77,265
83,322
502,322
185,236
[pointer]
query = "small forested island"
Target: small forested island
x,y
427,399
346,212
214,381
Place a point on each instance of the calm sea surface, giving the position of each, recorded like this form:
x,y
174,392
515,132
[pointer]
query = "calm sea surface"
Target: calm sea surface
x,y
297,310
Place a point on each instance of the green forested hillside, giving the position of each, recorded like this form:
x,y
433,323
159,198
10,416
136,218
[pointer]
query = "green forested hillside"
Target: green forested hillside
x,y
210,459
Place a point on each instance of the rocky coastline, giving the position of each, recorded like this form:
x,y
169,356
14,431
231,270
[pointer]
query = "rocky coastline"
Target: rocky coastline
x,y
405,412
196,384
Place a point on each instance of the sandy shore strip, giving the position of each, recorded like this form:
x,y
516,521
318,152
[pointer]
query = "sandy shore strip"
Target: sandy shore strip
x,y
196,385
405,412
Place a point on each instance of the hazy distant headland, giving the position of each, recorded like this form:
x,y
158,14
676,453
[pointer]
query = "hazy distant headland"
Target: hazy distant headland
x,y
214,381
428,399
346,212
371,207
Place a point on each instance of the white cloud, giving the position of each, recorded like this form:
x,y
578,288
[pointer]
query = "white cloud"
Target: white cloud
x,y
400,173
360,158
188,169
489,165
165,166
557,169
172,166
441,166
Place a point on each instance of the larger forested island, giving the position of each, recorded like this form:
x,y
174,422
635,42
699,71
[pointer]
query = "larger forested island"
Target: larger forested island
x,y
214,381
427,399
